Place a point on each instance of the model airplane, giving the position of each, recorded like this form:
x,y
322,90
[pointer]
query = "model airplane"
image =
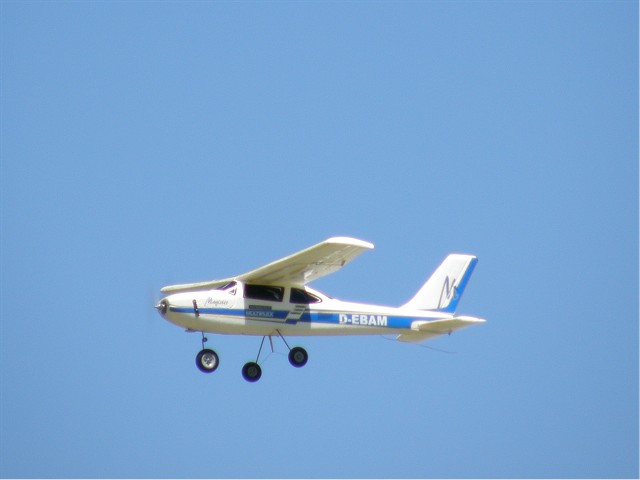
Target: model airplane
x,y
276,301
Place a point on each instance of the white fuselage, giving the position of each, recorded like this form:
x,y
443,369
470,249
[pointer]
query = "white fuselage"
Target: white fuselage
x,y
269,310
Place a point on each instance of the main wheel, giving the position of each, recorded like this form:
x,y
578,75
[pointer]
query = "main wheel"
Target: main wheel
x,y
251,372
207,360
298,357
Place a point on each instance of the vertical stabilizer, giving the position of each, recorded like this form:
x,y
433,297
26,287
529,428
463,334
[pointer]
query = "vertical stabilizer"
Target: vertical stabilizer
x,y
444,288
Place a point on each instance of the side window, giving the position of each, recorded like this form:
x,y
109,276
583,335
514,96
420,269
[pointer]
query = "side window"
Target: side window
x,y
230,288
264,292
302,296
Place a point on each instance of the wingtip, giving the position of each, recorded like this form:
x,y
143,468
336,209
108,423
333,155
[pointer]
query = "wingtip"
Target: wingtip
x,y
351,241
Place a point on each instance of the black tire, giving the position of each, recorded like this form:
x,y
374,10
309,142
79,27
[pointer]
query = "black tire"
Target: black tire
x,y
251,372
207,361
298,357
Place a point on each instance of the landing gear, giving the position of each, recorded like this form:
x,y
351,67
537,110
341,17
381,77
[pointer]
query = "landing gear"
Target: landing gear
x,y
251,372
207,360
298,357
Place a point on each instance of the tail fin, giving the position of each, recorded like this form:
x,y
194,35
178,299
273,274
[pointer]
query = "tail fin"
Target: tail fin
x,y
444,288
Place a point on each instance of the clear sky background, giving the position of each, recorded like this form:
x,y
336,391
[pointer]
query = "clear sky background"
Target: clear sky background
x,y
145,144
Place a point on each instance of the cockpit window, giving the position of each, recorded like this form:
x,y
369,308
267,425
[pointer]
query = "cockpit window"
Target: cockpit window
x,y
302,296
230,288
264,292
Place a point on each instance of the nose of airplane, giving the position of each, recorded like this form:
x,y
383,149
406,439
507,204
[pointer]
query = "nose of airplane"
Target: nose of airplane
x,y
162,306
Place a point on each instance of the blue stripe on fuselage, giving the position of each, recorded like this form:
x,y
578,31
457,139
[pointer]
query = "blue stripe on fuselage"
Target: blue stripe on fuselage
x,y
249,312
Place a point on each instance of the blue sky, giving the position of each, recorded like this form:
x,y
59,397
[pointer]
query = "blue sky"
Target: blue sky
x,y
147,143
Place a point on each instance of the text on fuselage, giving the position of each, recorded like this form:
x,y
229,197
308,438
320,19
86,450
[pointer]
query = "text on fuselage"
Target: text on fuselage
x,y
363,319
214,302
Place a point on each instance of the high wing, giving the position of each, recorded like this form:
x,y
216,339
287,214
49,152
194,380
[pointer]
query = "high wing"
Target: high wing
x,y
192,287
422,330
297,269
309,264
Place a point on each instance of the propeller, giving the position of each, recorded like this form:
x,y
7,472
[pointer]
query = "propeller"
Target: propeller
x,y
161,306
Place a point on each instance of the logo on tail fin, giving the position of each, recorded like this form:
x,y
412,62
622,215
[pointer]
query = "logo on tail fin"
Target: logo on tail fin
x,y
449,292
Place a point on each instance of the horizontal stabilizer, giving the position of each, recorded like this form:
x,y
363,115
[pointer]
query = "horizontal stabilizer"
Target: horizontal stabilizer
x,y
422,330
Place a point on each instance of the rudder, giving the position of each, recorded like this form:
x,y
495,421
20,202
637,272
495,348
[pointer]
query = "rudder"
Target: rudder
x,y
444,288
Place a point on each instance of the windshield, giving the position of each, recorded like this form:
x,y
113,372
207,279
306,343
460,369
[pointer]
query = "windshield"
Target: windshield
x,y
229,288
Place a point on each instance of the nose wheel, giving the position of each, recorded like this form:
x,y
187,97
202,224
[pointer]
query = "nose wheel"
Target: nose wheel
x,y
207,360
